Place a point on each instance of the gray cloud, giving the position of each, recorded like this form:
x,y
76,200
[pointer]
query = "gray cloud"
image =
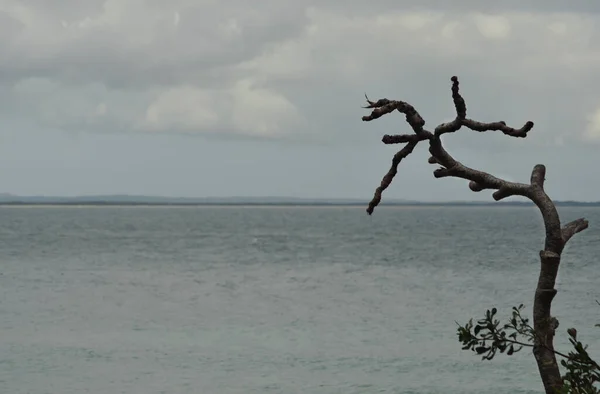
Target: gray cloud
x,y
182,66
296,71
462,6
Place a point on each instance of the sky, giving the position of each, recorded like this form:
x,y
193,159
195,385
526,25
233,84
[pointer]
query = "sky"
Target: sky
x,y
198,98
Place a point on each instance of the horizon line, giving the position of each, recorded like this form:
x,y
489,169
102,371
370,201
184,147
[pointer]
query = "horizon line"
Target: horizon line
x,y
149,200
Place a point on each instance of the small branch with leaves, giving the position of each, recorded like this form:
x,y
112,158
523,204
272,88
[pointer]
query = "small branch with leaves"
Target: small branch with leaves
x,y
488,337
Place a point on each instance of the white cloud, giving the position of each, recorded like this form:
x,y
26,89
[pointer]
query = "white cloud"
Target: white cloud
x,y
244,108
332,42
592,131
101,109
184,108
492,26
261,111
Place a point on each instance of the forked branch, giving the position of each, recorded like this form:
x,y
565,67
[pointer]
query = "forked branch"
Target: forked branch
x,y
450,167
556,236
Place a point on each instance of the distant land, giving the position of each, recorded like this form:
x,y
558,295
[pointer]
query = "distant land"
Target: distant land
x,y
10,199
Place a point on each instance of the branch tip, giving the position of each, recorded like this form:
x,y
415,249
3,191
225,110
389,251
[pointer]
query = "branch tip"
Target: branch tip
x,y
459,102
572,228
442,172
403,138
387,179
371,103
476,187
502,193
538,176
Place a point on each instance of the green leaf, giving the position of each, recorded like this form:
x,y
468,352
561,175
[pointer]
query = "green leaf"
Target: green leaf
x,y
481,349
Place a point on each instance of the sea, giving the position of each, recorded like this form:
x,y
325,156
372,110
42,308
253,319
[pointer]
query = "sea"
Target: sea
x,y
247,299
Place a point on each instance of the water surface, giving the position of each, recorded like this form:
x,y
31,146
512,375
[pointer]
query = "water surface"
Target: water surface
x,y
274,300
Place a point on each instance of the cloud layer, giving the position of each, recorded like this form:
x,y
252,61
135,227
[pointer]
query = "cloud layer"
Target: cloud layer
x,y
295,69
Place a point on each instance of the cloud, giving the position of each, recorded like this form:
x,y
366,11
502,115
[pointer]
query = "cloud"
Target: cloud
x,y
185,108
245,108
492,26
592,132
287,69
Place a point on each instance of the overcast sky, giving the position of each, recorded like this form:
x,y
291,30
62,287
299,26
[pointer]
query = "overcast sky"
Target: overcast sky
x,y
250,98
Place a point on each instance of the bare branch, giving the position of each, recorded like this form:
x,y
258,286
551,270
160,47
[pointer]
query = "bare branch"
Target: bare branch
x,y
459,102
433,160
461,112
385,106
476,187
498,126
462,120
573,228
387,179
480,180
450,167
538,176
403,138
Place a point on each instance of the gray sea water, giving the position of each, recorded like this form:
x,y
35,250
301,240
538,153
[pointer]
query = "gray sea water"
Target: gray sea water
x,y
275,300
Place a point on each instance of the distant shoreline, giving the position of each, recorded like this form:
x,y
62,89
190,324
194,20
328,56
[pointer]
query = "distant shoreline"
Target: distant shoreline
x,y
286,204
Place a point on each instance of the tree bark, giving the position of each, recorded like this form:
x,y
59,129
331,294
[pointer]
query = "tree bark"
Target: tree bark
x,y
544,325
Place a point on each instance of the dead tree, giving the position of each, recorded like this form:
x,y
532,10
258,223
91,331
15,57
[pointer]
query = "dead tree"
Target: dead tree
x,y
556,236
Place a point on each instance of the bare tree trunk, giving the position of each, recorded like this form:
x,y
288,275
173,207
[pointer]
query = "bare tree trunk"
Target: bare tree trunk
x,y
556,237
544,325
